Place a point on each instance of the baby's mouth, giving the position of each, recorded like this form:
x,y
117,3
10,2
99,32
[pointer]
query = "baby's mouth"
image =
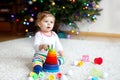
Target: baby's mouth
x,y
48,27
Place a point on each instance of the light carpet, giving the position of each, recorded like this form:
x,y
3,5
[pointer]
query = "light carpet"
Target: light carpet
x,y
16,56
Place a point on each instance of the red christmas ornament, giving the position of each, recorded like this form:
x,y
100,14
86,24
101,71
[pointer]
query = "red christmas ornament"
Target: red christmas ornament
x,y
17,20
98,60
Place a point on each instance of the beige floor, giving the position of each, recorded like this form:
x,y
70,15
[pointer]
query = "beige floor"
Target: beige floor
x,y
18,58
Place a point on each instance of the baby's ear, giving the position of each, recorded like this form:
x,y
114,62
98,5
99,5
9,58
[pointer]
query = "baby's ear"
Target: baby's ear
x,y
38,25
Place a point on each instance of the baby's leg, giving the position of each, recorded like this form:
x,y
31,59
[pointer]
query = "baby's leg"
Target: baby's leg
x,y
37,62
60,60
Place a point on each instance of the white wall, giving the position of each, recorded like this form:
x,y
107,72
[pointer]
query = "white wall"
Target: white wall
x,y
108,22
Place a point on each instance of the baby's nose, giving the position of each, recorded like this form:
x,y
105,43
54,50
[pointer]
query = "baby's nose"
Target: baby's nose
x,y
48,23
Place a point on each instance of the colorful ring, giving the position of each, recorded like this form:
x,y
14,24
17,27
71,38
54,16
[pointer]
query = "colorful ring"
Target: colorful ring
x,y
50,67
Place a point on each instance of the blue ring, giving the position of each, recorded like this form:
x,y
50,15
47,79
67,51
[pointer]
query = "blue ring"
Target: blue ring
x,y
46,70
50,67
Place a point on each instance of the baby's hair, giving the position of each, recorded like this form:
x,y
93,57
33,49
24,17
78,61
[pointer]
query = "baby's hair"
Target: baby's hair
x,y
41,15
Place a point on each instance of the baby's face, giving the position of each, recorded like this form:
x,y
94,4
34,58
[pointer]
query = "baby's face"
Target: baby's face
x,y
47,24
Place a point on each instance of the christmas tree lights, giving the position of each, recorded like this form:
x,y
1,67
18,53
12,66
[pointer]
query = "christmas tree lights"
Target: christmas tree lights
x,y
66,11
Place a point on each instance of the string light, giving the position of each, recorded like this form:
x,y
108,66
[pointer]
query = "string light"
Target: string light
x,y
41,1
73,0
72,31
53,3
96,6
22,11
63,7
30,2
12,16
25,19
34,0
24,23
32,14
25,9
31,19
88,14
17,20
68,36
35,8
26,30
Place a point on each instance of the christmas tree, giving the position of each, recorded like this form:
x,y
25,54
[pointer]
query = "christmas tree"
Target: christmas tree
x,y
66,11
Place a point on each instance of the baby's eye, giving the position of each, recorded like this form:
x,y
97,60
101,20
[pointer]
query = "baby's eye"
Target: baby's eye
x,y
51,22
46,21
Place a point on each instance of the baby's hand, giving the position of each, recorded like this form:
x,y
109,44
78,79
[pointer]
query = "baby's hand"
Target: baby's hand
x,y
43,46
60,53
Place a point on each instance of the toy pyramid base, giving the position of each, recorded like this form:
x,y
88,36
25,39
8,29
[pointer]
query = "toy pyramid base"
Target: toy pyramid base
x,y
52,71
50,68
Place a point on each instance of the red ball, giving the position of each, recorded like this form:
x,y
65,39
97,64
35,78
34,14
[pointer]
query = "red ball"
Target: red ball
x,y
98,60
59,75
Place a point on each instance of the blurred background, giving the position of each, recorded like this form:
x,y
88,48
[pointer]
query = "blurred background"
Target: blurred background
x,y
17,17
